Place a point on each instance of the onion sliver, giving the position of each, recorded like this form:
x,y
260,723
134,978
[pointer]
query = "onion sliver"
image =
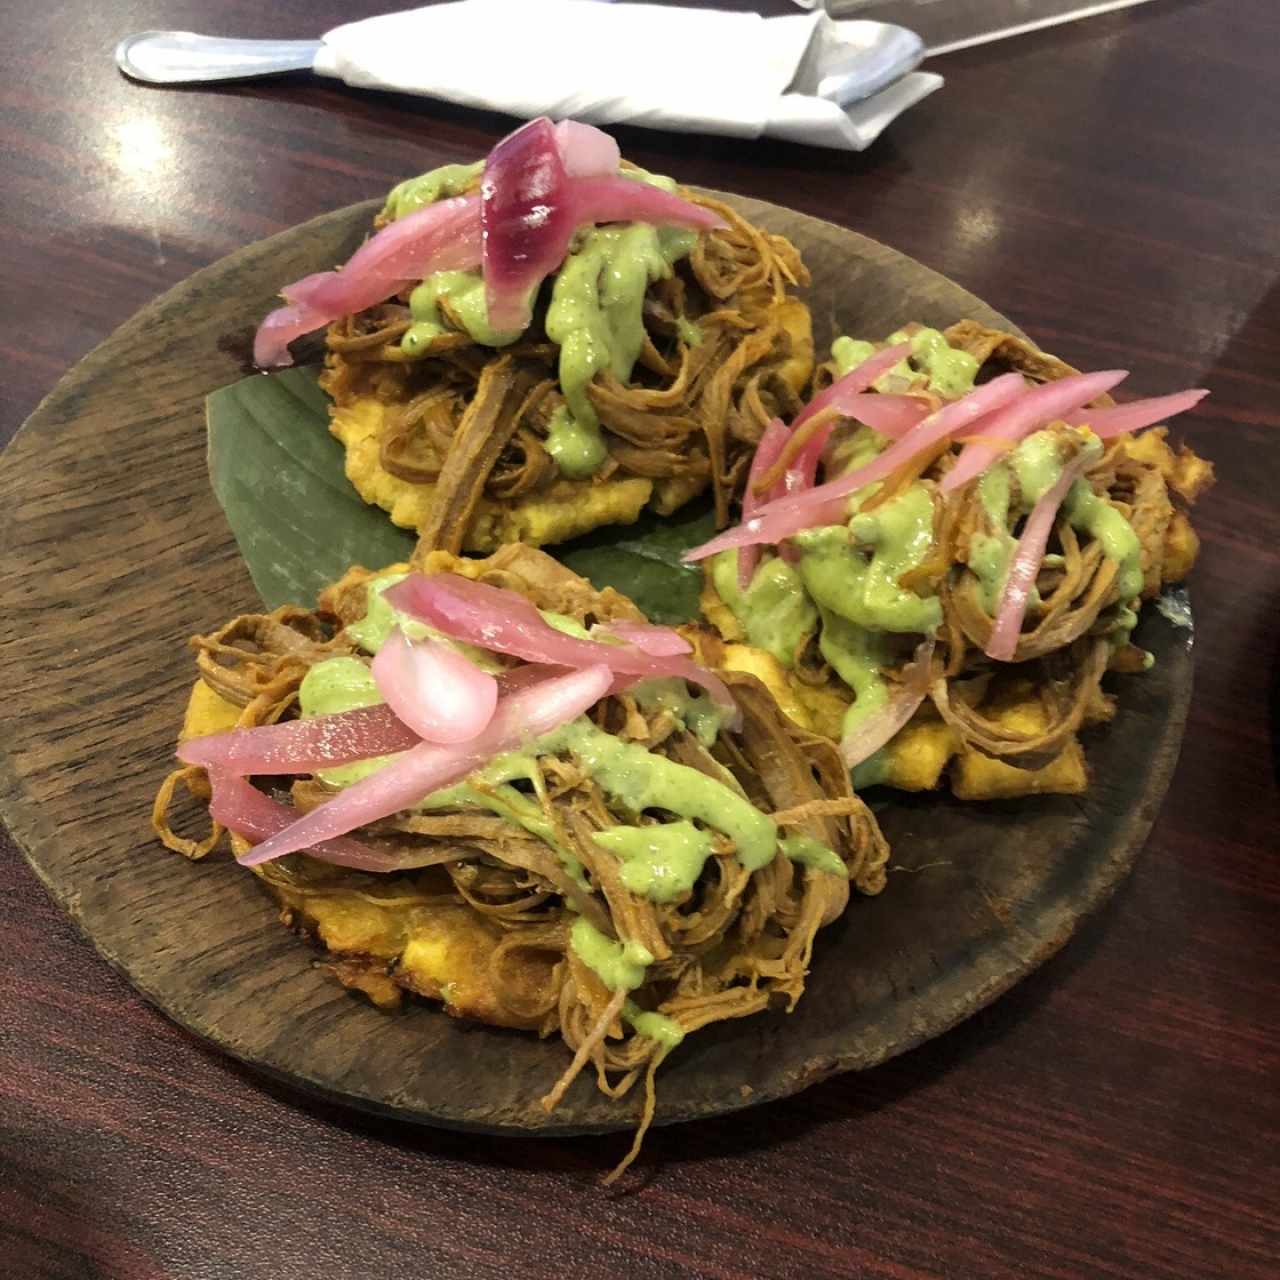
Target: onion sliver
x,y
890,415
440,694
618,199
242,808
768,451
899,707
658,642
526,219
784,516
505,622
1135,415
1037,408
587,152
302,746
520,717
1026,562
854,382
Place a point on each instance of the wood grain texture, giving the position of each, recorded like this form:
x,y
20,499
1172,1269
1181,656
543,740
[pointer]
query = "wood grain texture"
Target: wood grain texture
x,y
1003,885
1113,187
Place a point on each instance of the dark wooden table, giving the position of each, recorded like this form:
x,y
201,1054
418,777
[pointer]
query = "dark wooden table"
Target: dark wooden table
x,y
1114,187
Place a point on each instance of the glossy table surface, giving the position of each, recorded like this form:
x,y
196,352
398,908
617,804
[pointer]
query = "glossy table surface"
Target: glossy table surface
x,y
1113,186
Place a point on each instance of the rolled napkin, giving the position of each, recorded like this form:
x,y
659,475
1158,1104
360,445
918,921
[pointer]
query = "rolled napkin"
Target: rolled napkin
x,y
690,70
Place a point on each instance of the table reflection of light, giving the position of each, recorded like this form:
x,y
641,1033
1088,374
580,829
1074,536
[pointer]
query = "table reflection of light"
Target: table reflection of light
x,y
976,226
140,145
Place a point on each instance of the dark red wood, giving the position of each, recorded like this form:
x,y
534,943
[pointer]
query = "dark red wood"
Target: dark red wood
x,y
1114,188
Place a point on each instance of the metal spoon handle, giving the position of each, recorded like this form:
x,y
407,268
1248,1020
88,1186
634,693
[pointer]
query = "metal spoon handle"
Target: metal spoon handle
x,y
183,57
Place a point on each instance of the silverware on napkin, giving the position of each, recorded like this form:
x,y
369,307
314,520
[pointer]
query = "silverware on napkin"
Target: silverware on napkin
x,y
884,54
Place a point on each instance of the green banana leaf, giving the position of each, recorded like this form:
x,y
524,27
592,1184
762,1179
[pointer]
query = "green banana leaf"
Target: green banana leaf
x,y
278,475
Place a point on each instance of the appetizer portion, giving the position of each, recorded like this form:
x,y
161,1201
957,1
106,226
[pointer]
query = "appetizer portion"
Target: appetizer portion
x,y
550,340
487,783
949,598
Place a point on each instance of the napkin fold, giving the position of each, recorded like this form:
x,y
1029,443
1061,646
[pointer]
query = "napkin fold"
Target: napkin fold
x,y
687,70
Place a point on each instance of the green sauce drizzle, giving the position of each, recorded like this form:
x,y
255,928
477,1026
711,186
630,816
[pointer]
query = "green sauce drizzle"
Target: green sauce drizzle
x,y
638,779
813,853
854,571
619,965
697,712
661,862
596,318
465,293
577,447
857,656
653,1026
775,612
440,184
949,370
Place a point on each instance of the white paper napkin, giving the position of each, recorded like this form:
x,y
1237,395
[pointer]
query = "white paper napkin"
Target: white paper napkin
x,y
691,70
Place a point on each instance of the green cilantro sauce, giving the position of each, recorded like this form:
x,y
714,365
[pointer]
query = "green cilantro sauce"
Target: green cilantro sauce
x,y
653,1026
697,712
619,965
596,317
595,314
464,291
854,570
662,861
622,966
813,853
949,370
775,611
440,184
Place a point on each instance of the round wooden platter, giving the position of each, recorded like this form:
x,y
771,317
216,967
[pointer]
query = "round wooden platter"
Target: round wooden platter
x,y
113,551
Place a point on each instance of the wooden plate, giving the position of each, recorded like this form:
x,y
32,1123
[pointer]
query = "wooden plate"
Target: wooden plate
x,y
114,551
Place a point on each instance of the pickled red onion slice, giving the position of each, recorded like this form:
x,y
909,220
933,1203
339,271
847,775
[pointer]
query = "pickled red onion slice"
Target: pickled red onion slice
x,y
1026,562
302,746
617,199
505,622
520,717
659,642
411,248
1037,408
768,451
890,415
440,694
1135,415
855,381
279,328
526,220
587,152
784,516
242,808
901,705
440,237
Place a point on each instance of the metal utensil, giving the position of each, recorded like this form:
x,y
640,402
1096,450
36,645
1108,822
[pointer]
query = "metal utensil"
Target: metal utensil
x,y
856,60
183,57
866,58
949,25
